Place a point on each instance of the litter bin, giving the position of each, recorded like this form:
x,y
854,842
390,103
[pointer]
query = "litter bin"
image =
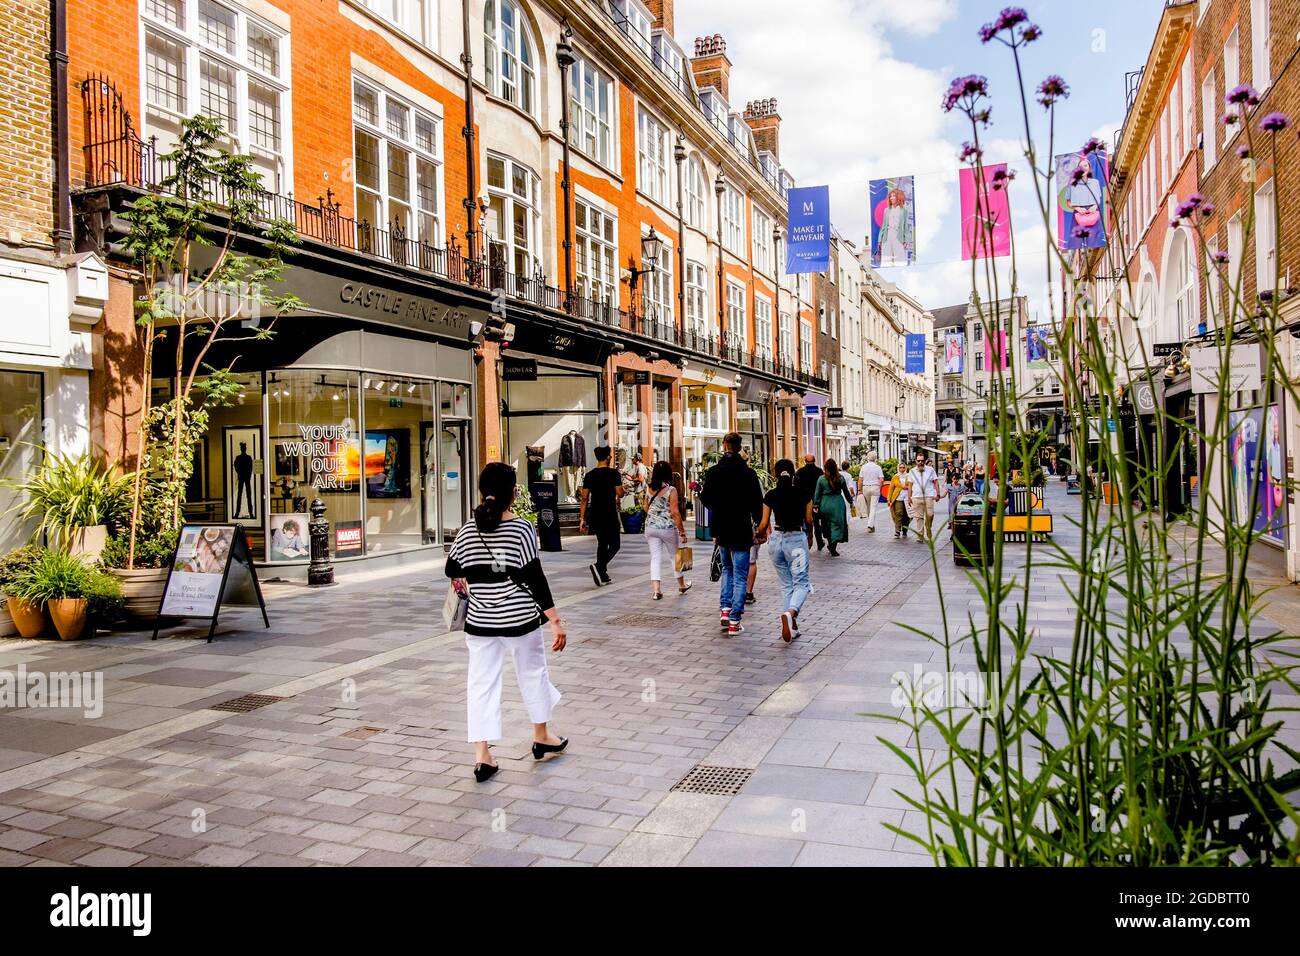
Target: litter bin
x,y
972,531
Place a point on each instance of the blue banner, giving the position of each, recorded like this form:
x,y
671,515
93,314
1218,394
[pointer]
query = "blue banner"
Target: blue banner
x,y
916,353
809,245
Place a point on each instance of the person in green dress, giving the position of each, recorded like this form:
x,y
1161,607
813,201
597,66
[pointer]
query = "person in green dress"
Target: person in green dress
x,y
831,501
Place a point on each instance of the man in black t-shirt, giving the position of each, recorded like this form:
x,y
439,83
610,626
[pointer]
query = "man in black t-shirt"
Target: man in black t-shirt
x,y
602,486
806,478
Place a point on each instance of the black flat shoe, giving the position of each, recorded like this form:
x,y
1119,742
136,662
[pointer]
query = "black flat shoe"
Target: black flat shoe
x,y
484,771
541,750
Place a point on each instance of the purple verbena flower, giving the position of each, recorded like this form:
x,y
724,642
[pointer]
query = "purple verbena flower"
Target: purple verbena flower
x,y
987,32
1188,206
1082,232
1002,178
1175,223
1031,33
1243,151
1242,93
1229,119
1010,17
1208,209
1052,89
970,152
968,88
1079,174
1274,123
1219,257
1093,145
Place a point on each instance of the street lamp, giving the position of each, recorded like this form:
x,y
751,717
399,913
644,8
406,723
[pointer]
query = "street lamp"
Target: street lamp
x,y
651,248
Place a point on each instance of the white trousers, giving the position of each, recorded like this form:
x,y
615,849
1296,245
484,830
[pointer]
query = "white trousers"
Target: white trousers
x,y
487,659
663,547
873,500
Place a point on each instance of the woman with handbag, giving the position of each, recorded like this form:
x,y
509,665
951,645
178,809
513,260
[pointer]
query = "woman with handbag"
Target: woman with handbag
x,y
665,531
787,516
830,500
495,560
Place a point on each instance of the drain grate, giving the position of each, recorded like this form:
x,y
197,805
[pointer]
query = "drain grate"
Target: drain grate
x,y
242,705
719,781
645,620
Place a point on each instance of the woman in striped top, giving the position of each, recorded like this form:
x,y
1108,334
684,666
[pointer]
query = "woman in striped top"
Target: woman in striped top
x,y
494,558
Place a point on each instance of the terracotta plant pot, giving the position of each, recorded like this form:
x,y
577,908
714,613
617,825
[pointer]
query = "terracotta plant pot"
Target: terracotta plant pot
x,y
29,617
142,591
70,616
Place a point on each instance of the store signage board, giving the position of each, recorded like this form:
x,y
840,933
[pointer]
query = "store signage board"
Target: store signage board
x,y
1165,349
1146,397
1245,370
212,566
515,369
695,398
833,411
641,378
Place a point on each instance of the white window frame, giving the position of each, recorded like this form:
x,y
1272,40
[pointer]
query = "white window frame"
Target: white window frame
x,y
805,345
762,326
510,55
762,230
733,220
785,332
417,19
598,247
1188,86
1261,44
1231,75
419,222
697,206
1213,284
591,111
1236,254
659,294
1265,239
737,319
1209,119
653,152
194,48
699,318
523,258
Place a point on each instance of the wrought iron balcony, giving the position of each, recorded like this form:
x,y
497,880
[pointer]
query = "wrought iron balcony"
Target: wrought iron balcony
x,y
115,155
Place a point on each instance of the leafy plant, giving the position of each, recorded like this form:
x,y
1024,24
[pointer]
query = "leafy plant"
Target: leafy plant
x,y
151,552
15,563
766,480
522,506
56,575
70,492
1153,740
190,306
889,466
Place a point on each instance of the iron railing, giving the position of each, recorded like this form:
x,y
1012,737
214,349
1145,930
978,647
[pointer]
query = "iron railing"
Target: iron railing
x,y
115,155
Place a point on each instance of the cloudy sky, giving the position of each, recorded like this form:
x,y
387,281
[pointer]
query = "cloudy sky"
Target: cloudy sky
x,y
859,83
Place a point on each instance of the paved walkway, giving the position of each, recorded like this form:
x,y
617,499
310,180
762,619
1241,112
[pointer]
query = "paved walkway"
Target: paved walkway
x,y
364,760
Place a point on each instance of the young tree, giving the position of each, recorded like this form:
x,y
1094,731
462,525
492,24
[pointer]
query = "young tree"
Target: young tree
x,y
194,291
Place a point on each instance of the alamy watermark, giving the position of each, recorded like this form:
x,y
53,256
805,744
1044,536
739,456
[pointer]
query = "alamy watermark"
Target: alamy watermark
x,y
76,690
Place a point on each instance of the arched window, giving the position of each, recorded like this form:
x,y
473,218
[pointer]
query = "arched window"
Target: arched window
x,y
509,61
1180,311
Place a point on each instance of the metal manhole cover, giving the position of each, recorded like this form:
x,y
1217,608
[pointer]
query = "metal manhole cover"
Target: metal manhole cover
x,y
645,620
719,781
242,705
364,733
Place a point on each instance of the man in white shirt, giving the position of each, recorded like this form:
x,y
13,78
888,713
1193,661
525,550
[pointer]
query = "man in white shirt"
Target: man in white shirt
x,y
871,478
922,491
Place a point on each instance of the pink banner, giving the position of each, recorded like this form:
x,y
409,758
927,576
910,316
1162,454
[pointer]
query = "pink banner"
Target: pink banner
x,y
987,234
998,351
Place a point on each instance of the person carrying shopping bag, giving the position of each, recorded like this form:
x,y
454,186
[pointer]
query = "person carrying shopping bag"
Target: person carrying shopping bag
x,y
495,559
831,502
897,501
871,479
787,514
665,531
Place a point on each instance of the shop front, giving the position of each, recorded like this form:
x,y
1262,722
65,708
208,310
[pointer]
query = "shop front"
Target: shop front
x,y
552,408
755,404
708,400
813,407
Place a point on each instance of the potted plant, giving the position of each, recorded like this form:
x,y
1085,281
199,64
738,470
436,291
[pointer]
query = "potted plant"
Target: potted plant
x,y
889,468
633,518
69,587
28,616
72,501
141,586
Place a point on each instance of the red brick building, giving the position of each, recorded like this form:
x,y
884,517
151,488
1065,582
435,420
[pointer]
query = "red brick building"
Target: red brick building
x,y
627,275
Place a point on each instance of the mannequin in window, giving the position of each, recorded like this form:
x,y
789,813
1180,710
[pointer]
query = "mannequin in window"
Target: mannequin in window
x,y
573,461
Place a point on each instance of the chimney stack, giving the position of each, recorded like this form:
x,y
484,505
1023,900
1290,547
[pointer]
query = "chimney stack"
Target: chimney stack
x,y
761,117
710,64
662,11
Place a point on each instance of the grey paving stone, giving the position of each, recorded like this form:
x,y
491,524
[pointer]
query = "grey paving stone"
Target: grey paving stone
x,y
811,783
720,848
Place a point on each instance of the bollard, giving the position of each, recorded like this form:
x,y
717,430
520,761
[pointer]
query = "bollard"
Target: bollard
x,y
321,573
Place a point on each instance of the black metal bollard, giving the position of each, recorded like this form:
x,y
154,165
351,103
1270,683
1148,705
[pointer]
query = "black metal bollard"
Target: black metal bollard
x,y
321,573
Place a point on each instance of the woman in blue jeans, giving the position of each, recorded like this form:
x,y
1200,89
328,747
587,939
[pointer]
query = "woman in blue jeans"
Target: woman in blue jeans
x,y
787,509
